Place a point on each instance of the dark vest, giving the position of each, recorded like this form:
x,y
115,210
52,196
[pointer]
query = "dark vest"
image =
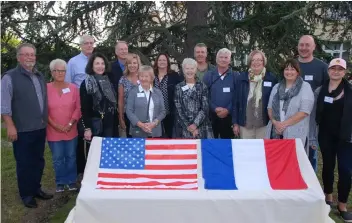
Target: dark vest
x,y
26,112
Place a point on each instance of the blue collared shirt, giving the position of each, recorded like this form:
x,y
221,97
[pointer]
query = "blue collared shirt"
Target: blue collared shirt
x,y
76,69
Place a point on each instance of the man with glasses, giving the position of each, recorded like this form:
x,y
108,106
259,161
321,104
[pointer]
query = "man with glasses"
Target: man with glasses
x,y
76,73
24,110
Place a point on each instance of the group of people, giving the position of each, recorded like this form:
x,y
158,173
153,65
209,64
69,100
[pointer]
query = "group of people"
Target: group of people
x,y
89,96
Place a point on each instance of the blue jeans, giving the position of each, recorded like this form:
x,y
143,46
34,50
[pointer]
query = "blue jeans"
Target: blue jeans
x,y
64,160
313,158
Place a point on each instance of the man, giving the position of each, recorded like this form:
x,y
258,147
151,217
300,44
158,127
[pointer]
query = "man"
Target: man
x,y
24,109
117,67
76,66
200,54
315,72
76,73
221,84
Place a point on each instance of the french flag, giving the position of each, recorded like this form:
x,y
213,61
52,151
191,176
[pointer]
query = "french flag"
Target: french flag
x,y
250,165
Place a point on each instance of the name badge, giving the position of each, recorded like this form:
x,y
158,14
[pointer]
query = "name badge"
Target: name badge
x,y
267,84
185,88
66,90
140,95
328,99
308,77
226,89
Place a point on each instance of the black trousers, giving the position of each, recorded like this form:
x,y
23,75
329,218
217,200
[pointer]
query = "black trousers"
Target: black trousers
x,y
128,125
29,155
331,147
168,125
222,127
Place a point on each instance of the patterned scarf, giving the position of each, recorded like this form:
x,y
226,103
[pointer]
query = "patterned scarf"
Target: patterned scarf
x,y
96,91
285,96
257,93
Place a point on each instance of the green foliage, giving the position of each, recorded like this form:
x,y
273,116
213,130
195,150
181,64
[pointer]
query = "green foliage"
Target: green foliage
x,y
173,27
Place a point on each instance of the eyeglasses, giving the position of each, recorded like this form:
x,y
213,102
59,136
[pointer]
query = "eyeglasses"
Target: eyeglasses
x,y
88,43
60,71
258,60
27,54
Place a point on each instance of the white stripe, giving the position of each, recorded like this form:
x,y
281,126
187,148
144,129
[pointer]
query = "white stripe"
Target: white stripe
x,y
147,187
140,180
155,172
171,152
250,164
169,162
172,142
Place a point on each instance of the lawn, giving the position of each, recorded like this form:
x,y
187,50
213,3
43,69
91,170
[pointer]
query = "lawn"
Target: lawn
x,y
56,210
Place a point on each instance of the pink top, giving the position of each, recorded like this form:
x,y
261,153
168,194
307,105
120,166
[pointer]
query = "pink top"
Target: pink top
x,y
62,109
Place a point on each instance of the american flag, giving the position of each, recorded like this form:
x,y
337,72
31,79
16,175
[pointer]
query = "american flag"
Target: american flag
x,y
131,163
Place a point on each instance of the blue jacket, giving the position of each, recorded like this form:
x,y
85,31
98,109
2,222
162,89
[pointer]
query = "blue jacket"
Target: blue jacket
x,y
242,91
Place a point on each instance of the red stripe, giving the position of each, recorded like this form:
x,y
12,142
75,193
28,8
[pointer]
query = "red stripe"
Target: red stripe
x,y
148,183
171,167
171,147
171,157
150,176
283,168
106,188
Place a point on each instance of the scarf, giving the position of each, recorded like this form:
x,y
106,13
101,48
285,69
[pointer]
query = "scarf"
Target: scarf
x,y
99,86
325,92
258,79
286,97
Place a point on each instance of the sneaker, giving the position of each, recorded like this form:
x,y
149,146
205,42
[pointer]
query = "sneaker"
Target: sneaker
x,y
72,187
60,188
346,216
331,204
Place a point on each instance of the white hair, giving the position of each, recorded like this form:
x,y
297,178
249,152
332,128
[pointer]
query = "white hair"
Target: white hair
x,y
83,38
189,61
223,51
146,68
56,62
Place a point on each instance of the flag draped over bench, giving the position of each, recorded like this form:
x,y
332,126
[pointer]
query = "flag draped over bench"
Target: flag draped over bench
x,y
186,164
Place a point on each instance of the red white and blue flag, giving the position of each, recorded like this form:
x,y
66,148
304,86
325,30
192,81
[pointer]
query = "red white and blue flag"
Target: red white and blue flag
x,y
131,163
209,164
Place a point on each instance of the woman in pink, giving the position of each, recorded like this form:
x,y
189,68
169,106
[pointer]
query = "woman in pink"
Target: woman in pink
x,y
64,112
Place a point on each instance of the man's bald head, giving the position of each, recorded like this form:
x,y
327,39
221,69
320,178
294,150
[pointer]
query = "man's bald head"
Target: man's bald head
x,y
306,47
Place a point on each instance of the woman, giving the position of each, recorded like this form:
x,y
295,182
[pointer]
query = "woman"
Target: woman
x,y
166,80
98,100
145,106
192,108
334,120
290,104
126,83
64,111
253,90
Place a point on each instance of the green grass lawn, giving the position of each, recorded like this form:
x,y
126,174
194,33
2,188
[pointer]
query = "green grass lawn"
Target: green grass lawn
x,y
12,209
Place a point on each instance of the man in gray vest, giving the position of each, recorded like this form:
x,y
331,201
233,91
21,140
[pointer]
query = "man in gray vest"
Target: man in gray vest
x,y
24,109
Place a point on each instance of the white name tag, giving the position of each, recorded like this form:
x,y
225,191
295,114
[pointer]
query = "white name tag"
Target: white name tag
x,y
267,84
66,90
308,77
140,95
328,99
185,88
226,89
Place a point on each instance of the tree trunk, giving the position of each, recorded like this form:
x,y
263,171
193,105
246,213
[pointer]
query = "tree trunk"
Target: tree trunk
x,y
196,16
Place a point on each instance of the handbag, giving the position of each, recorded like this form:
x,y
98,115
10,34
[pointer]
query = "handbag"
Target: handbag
x,y
138,132
97,122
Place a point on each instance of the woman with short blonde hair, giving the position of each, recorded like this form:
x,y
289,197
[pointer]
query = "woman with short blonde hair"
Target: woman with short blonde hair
x,y
145,106
126,83
253,89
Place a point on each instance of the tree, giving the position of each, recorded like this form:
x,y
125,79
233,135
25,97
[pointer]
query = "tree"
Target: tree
x,y
174,27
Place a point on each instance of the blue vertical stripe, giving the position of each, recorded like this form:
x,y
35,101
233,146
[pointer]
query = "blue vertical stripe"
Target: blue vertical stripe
x,y
217,164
